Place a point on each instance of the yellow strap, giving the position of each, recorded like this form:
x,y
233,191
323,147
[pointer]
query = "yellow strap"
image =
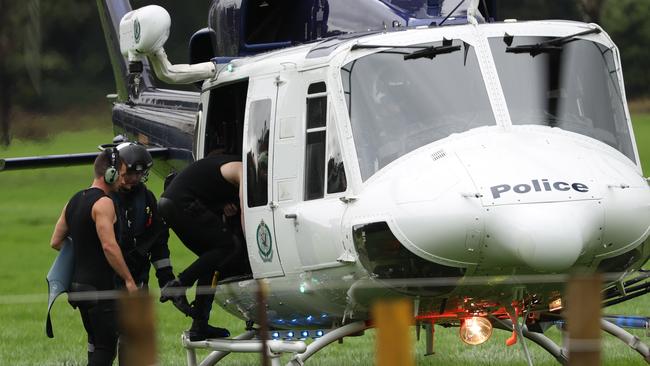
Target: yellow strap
x,y
215,278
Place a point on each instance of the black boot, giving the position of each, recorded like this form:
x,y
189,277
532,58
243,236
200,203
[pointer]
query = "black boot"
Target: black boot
x,y
200,329
175,291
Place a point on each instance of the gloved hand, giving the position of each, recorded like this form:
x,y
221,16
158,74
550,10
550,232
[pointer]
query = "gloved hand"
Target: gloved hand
x,y
164,275
175,291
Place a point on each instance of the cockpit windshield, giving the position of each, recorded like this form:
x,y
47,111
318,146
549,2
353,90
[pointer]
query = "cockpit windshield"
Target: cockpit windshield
x,y
401,99
572,85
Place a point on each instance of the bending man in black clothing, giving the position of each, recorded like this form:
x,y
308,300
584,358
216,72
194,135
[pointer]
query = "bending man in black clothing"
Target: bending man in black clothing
x,y
198,205
89,219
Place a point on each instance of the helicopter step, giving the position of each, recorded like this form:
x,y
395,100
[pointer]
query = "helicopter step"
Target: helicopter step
x,y
242,343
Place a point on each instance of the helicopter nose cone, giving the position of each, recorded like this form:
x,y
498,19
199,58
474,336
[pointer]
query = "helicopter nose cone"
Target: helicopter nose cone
x,y
543,243
546,237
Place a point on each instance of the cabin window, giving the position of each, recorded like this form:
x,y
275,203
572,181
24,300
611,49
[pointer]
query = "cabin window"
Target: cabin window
x,y
257,156
225,121
315,146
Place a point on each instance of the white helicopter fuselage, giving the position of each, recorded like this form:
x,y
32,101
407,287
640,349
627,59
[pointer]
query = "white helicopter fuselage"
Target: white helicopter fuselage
x,y
337,207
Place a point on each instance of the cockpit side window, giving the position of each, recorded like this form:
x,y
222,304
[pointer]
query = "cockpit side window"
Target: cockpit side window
x,y
324,168
315,141
336,180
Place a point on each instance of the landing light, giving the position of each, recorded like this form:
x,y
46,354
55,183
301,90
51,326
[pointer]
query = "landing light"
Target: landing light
x,y
555,305
475,330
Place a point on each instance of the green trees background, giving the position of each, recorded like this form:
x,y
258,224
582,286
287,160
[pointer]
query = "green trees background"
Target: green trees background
x,y
626,21
53,57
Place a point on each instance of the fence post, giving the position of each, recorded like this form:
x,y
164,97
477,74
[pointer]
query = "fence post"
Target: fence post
x,y
137,326
262,291
582,315
393,319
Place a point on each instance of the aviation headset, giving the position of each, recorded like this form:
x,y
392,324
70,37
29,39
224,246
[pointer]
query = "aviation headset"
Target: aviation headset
x,y
111,174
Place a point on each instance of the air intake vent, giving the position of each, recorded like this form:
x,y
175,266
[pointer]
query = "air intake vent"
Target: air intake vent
x,y
438,155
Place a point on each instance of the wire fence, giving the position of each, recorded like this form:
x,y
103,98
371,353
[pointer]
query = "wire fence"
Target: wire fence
x,y
365,283
582,318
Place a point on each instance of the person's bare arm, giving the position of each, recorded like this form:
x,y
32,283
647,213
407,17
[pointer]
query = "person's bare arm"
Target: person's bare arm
x,y
60,231
232,172
103,214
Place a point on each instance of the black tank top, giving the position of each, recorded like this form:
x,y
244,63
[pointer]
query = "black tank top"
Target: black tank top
x,y
203,180
91,266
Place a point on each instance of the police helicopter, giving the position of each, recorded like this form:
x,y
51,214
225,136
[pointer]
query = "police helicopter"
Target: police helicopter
x,y
397,148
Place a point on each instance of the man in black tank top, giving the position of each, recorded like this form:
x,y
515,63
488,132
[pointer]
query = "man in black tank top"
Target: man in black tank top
x,y
89,219
197,205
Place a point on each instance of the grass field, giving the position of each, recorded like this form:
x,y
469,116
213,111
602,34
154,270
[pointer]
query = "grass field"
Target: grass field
x,y
30,202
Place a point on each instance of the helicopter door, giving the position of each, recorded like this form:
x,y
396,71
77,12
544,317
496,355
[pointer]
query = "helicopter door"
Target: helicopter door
x,y
257,154
308,213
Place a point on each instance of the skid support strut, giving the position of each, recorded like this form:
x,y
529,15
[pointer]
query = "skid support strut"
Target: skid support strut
x,y
540,339
320,343
631,340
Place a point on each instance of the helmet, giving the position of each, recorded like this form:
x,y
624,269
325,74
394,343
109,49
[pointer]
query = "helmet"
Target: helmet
x,y
136,157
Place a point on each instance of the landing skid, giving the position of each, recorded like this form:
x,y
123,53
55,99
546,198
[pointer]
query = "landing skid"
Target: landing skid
x,y
275,348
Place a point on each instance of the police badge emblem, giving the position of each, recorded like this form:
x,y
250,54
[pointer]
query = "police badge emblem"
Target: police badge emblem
x,y
264,242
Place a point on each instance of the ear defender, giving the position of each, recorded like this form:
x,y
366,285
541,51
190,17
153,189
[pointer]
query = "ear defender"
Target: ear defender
x,y
145,176
111,174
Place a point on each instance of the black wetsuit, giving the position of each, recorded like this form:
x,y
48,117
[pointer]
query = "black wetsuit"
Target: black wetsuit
x,y
92,272
192,206
143,236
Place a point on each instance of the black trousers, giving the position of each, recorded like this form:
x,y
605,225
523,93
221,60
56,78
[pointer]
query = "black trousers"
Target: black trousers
x,y
204,233
208,236
100,321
